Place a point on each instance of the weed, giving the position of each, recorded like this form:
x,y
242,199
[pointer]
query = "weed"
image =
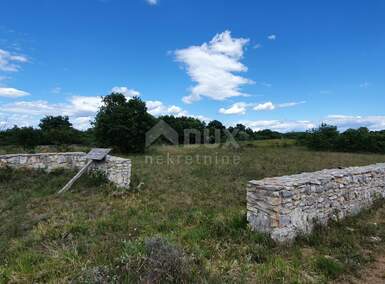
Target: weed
x,y
155,260
329,267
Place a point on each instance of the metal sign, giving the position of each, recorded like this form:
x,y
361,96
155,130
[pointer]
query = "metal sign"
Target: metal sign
x,y
98,154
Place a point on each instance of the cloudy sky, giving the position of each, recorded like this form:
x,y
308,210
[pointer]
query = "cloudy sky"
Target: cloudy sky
x,y
283,65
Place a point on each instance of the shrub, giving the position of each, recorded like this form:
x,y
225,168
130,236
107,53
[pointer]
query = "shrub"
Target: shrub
x,y
329,267
95,275
154,261
6,174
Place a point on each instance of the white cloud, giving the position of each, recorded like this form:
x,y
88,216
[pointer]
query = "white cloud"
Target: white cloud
x,y
272,37
347,121
152,2
10,62
279,125
128,93
264,106
9,120
271,106
83,122
237,108
258,45
77,106
241,107
202,117
81,105
365,85
212,66
290,104
157,108
12,93
343,122
39,107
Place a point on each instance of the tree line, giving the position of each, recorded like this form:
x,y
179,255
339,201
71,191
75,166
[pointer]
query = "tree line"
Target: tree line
x,y
328,138
122,124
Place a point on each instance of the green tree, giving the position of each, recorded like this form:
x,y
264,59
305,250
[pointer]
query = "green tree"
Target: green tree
x,y
55,122
27,137
122,124
216,132
325,137
58,130
180,124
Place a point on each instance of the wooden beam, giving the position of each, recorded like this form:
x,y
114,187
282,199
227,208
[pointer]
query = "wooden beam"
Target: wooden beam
x,y
75,178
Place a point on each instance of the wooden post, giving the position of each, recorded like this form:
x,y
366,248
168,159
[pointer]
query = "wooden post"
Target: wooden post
x,y
75,178
96,154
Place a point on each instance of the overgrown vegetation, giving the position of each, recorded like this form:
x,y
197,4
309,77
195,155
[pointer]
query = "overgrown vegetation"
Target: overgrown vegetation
x,y
179,222
328,138
53,130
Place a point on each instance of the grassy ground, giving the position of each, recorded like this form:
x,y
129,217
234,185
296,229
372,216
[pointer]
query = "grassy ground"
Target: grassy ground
x,y
182,220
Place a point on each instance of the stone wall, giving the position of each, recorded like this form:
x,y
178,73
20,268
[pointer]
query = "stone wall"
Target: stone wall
x,y
288,205
117,170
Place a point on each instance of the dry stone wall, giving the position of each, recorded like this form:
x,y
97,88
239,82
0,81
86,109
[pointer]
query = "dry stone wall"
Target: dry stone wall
x,y
117,170
288,205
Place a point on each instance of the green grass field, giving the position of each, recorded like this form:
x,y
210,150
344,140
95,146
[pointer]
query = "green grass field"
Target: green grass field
x,y
181,221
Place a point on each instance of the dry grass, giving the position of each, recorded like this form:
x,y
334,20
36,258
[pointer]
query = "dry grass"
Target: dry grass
x,y
198,208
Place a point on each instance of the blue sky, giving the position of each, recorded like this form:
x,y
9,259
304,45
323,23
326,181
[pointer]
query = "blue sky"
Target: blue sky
x,y
284,65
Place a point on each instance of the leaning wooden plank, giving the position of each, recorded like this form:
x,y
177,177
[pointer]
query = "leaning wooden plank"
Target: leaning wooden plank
x,y
75,178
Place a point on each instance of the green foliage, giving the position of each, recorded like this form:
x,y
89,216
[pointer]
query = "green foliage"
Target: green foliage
x,y
323,138
180,124
26,137
327,137
122,124
54,130
328,266
55,122
57,130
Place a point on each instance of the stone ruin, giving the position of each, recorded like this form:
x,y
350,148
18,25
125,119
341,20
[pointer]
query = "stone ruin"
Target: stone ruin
x,y
117,170
287,206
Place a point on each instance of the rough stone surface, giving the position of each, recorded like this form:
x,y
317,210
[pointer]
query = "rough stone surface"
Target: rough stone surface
x,y
288,205
117,170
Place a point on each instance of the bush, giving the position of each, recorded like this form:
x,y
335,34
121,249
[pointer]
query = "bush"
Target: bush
x,y
154,261
329,267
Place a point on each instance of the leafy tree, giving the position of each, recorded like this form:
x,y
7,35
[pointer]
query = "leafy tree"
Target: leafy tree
x,y
267,134
241,132
55,122
27,137
216,131
122,124
183,123
325,137
58,130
